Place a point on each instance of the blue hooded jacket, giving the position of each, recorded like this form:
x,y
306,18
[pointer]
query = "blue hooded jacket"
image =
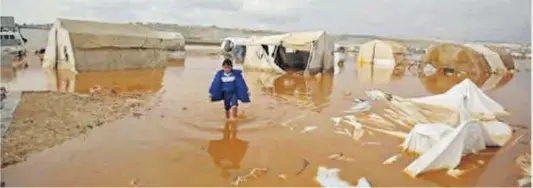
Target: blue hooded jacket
x,y
241,88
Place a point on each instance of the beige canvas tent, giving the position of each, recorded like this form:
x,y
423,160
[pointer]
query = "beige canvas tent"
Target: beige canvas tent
x,y
313,49
470,58
381,53
76,45
85,46
506,58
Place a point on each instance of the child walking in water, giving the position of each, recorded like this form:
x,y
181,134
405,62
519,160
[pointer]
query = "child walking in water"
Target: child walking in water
x,y
229,85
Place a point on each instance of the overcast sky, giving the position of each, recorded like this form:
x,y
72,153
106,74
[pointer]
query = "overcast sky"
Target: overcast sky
x,y
489,20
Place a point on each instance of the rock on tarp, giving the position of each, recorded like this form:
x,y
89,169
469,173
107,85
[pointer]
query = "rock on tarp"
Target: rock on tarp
x,y
9,106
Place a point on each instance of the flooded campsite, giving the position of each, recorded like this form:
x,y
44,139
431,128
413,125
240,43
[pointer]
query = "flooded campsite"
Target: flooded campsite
x,y
365,122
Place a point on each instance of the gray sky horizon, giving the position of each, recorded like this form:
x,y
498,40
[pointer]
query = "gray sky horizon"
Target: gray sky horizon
x,y
472,20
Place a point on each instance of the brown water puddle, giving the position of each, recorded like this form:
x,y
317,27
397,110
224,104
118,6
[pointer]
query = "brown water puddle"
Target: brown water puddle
x,y
185,142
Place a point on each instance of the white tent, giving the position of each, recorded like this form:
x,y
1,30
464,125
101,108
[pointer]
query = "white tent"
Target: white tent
x,y
442,146
478,102
493,59
75,45
316,43
381,53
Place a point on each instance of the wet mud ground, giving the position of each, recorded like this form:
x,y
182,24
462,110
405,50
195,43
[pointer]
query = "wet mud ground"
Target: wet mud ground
x,y
182,140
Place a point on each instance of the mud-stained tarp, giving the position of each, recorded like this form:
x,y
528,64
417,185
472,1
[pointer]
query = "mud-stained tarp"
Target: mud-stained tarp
x,y
458,57
9,105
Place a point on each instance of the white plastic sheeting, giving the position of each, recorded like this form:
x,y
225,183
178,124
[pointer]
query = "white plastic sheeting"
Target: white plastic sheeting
x,y
447,153
330,178
478,103
424,136
496,133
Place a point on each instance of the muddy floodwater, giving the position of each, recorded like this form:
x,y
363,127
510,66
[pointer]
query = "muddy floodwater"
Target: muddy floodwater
x,y
185,141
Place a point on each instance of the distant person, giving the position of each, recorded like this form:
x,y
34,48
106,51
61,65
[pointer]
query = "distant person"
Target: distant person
x,y
40,53
229,85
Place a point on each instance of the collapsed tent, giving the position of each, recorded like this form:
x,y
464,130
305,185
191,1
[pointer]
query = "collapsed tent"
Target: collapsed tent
x,y
309,51
76,45
478,102
470,58
381,53
442,144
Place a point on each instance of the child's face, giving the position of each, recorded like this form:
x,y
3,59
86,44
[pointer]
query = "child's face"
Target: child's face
x,y
227,68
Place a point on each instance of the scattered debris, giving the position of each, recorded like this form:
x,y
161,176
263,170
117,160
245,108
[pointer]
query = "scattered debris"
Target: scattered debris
x,y
360,107
137,115
455,172
371,143
340,157
308,129
305,165
363,182
135,182
347,93
330,178
392,159
524,162
254,173
282,176
336,120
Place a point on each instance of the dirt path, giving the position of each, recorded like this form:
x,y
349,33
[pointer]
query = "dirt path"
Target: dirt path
x,y
46,119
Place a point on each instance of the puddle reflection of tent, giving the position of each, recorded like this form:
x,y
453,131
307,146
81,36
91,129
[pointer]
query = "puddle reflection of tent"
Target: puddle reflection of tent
x,y
292,86
379,62
439,82
142,80
228,152
473,59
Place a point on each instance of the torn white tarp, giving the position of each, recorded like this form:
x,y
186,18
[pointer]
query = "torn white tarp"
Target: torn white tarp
x,y
329,177
424,136
477,104
447,153
496,133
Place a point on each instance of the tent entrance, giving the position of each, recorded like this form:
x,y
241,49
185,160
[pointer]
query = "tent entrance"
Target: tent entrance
x,y
291,60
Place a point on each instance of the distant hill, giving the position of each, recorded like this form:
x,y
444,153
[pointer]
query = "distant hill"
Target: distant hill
x,y
214,34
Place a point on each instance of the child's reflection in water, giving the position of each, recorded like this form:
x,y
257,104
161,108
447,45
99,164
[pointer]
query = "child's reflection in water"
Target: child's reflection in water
x,y
229,151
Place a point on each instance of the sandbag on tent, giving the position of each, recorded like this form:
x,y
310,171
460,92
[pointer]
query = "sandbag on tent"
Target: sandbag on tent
x,y
478,103
447,153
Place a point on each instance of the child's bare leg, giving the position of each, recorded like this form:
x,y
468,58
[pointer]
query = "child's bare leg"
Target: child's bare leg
x,y
232,114
227,114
